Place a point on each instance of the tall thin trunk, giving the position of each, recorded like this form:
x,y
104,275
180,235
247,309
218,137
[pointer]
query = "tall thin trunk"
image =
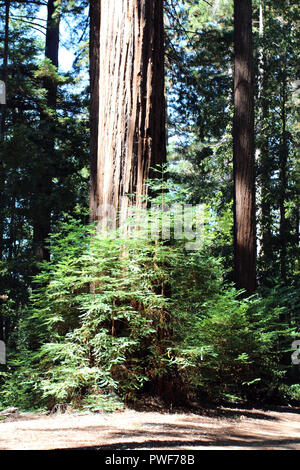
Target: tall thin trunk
x,y
42,204
243,149
95,15
131,132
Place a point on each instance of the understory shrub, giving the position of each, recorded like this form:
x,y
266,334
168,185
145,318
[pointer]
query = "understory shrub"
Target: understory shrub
x,y
113,316
103,316
234,349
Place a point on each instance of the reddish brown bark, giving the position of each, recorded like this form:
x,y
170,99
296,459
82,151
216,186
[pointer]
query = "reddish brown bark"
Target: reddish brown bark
x,y
95,14
131,131
243,149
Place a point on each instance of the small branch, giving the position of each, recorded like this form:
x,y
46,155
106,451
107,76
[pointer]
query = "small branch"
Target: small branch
x,y
30,22
31,17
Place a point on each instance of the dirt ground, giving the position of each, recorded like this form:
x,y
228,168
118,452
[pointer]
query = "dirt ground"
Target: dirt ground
x,y
223,428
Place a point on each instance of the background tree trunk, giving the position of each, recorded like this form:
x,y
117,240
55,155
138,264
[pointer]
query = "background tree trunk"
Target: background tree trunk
x,y
131,131
243,149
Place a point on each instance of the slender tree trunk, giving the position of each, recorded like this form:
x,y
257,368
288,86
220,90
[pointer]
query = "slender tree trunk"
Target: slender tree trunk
x,y
42,204
52,44
131,131
95,15
243,149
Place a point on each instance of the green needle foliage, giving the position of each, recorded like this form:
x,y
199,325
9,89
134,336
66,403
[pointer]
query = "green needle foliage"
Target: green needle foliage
x,y
113,317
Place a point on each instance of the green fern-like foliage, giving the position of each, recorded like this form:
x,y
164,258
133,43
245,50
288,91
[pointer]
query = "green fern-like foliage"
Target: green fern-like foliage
x,y
111,317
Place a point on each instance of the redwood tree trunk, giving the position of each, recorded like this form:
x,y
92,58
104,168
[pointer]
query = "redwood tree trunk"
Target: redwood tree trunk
x,y
243,149
131,130
95,15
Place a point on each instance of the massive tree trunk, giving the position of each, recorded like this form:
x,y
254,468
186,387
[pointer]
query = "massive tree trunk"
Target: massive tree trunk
x,y
131,131
42,203
131,110
243,149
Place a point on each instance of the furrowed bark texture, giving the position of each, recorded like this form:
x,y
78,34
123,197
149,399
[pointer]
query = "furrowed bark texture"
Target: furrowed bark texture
x,y
243,149
131,133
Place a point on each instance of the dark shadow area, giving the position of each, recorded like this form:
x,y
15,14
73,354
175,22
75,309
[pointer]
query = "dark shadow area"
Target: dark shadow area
x,y
235,414
237,441
208,409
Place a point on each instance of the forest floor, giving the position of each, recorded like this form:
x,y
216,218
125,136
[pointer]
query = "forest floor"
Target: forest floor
x,y
221,428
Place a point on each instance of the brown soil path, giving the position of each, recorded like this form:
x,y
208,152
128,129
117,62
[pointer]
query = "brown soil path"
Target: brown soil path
x,y
220,429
